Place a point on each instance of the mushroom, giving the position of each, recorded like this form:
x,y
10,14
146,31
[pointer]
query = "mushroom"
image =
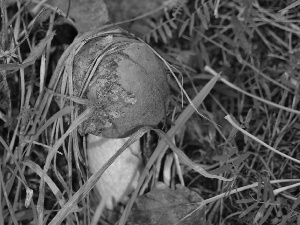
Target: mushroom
x,y
126,85
121,177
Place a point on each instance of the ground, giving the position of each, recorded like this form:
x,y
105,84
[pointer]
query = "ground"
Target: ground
x,y
230,137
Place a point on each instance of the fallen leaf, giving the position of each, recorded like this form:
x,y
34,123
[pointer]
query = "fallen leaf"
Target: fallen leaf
x,y
164,206
88,14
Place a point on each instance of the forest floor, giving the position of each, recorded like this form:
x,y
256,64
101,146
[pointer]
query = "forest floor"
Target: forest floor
x,y
229,150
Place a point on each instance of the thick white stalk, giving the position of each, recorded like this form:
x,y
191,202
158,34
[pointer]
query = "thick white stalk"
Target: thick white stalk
x,y
121,177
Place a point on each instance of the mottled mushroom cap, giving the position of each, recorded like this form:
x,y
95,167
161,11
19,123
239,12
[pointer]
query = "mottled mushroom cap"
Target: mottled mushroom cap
x,y
124,81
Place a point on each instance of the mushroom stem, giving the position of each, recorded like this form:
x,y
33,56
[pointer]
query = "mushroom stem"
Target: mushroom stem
x,y
121,177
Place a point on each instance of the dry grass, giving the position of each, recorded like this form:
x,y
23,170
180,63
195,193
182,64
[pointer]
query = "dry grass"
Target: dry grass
x,y
254,47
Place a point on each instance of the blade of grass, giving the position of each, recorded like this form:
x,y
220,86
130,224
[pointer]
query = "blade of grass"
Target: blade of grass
x,y
1,205
87,187
247,187
38,170
51,120
9,206
258,98
228,118
186,160
162,145
14,160
38,50
40,205
244,62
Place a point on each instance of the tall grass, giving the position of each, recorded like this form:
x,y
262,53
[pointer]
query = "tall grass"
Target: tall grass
x,y
238,59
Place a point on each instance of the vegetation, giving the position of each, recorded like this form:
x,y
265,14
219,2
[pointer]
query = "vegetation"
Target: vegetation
x,y
233,71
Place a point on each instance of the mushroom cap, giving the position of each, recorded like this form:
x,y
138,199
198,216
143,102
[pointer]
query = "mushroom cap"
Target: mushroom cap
x,y
124,81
